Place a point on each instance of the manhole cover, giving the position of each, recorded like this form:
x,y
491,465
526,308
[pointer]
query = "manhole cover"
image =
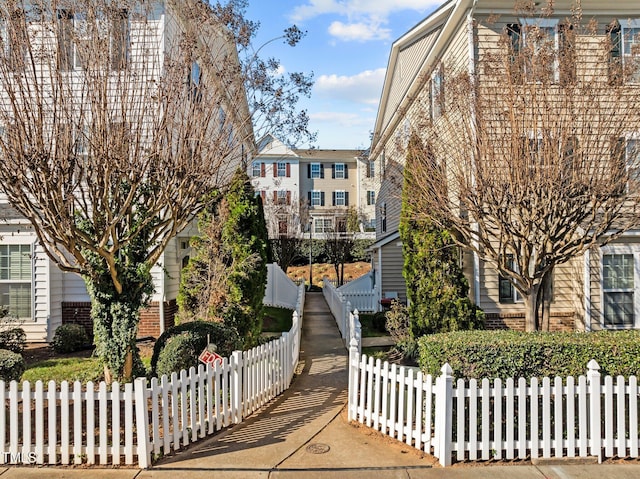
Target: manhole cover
x,y
318,448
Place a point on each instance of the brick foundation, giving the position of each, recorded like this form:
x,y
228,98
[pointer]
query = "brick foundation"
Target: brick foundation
x,y
80,313
560,321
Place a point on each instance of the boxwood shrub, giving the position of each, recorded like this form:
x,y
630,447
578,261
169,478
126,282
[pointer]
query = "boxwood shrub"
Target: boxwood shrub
x,y
179,347
505,354
11,365
13,339
69,338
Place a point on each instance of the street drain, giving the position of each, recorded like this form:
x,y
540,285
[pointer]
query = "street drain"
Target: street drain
x,y
318,448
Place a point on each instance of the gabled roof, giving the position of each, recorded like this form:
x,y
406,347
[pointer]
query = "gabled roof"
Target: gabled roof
x,y
269,145
330,155
411,56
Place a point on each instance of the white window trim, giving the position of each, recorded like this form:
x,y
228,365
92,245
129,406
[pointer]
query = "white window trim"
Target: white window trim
x,y
319,193
627,25
12,241
544,23
344,197
342,169
313,177
254,165
622,249
284,168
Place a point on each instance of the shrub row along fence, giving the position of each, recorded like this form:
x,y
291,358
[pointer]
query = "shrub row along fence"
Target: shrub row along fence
x,y
134,423
560,417
347,319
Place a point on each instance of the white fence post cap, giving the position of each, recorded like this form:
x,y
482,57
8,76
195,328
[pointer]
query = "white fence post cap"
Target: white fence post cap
x,y
593,365
446,370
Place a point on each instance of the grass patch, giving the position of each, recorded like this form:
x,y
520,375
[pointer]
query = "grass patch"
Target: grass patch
x,y
65,369
369,329
277,320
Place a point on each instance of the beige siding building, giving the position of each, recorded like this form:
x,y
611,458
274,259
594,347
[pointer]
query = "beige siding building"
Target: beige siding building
x,y
35,290
451,39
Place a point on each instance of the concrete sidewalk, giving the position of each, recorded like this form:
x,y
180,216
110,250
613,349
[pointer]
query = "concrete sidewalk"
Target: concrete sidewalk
x,y
304,434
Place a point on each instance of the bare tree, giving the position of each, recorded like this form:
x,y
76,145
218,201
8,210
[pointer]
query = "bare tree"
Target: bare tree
x,y
114,133
340,241
526,159
287,218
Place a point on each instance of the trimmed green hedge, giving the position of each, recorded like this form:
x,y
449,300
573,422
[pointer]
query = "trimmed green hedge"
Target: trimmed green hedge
x,y
11,365
504,354
179,347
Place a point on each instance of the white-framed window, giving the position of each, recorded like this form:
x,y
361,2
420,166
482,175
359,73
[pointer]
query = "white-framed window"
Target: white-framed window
x,y
532,40
437,92
316,198
316,171
620,273
626,154
340,198
195,78
256,168
507,292
282,169
371,169
339,171
371,197
283,197
16,273
625,51
75,37
323,225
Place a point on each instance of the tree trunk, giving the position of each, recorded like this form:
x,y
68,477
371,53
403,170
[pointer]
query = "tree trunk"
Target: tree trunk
x,y
545,301
115,325
530,309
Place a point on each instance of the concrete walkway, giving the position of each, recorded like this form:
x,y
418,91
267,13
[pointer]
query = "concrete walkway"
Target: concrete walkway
x,y
304,434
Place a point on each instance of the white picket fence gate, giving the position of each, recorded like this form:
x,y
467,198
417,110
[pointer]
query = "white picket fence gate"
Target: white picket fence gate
x,y
348,320
559,417
132,424
361,293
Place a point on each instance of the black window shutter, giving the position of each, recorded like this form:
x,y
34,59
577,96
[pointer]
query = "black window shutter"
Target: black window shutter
x,y
322,198
346,198
346,172
333,171
309,196
309,170
321,170
333,198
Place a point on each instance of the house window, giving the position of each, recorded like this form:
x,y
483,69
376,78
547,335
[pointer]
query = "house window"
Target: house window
x,y
371,198
340,171
340,198
256,168
625,52
383,217
316,198
195,93
542,51
283,197
16,279
507,292
316,171
12,33
323,225
76,38
618,298
283,227
626,155
282,169
371,169
437,92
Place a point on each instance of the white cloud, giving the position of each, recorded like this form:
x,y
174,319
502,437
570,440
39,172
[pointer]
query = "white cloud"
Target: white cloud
x,y
365,87
358,9
358,31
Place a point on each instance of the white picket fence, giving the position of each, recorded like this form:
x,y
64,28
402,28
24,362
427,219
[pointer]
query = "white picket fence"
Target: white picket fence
x,y
280,290
132,424
559,417
348,320
361,293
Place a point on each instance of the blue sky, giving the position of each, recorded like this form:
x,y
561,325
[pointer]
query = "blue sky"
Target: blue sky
x,y
347,48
